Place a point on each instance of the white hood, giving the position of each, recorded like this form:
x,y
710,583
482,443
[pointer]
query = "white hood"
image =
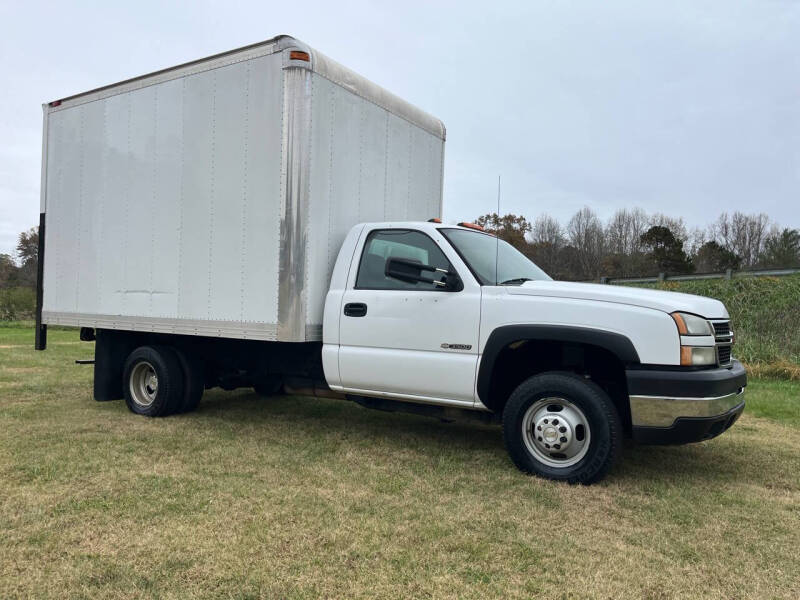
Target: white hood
x,y
665,301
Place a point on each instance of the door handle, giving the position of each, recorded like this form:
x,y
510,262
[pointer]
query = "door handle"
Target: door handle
x,y
355,309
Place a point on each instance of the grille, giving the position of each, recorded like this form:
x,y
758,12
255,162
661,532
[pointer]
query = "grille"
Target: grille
x,y
724,338
722,328
724,353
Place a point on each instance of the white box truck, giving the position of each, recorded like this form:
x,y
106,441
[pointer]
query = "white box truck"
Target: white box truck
x,y
267,218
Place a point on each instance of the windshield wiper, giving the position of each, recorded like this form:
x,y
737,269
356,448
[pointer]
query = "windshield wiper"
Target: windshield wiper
x,y
516,281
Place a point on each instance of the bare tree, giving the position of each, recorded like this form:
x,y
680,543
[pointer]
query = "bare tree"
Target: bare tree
x,y
547,230
696,240
742,234
625,229
585,234
547,241
676,225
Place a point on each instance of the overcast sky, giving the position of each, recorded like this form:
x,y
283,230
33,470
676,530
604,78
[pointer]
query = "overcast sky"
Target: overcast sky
x,y
689,108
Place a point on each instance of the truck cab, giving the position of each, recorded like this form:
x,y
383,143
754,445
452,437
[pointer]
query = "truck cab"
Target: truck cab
x,y
450,316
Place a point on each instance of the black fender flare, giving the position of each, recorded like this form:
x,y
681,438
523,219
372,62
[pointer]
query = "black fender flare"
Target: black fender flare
x,y
501,337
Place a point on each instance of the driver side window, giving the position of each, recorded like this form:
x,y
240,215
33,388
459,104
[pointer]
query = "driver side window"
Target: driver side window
x,y
407,244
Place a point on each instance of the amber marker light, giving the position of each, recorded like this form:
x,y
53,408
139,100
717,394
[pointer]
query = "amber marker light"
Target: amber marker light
x,y
471,226
681,326
299,55
686,356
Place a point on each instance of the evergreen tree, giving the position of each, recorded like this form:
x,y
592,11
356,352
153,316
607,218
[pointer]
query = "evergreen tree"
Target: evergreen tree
x,y
666,251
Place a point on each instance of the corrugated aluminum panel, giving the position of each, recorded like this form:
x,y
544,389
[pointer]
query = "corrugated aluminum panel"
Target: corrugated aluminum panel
x,y
263,178
398,185
366,165
163,202
167,184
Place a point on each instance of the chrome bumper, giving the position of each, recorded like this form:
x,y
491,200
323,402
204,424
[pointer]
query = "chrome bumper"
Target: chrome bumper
x,y
663,411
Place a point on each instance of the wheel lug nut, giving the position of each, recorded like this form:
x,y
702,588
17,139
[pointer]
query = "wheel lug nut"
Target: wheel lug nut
x,y
546,421
540,438
563,439
562,429
547,445
539,428
557,446
555,421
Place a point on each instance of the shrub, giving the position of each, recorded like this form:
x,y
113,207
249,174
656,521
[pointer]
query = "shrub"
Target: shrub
x,y
17,303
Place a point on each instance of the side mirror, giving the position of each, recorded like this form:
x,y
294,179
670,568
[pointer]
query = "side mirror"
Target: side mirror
x,y
453,282
411,271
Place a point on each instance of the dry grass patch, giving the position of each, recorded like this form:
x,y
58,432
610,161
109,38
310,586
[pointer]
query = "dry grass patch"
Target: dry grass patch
x,y
781,369
301,498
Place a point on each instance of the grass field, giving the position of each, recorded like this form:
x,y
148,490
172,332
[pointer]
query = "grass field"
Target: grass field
x,y
765,312
299,498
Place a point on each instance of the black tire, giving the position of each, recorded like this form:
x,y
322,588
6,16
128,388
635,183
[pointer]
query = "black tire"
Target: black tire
x,y
603,436
193,380
268,385
163,398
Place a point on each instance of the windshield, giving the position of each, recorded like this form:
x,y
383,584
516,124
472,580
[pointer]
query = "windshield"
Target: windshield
x,y
482,252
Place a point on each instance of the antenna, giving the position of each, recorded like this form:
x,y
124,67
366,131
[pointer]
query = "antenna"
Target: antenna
x,y
497,237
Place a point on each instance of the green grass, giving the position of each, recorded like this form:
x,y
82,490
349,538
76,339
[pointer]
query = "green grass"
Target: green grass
x,y
765,315
775,399
305,498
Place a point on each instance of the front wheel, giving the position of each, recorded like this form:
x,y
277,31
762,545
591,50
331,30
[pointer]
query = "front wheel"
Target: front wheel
x,y
562,426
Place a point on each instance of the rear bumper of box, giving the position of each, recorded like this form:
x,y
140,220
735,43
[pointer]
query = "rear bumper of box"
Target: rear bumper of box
x,y
679,407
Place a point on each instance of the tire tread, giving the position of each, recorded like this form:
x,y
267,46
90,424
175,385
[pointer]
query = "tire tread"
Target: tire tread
x,y
596,464
170,380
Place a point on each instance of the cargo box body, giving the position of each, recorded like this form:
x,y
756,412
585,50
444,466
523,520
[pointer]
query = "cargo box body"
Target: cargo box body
x,y
212,198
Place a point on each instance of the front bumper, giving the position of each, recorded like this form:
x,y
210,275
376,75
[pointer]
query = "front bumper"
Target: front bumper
x,y
679,406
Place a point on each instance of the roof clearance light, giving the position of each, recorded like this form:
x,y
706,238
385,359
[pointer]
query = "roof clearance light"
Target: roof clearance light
x,y
434,220
471,226
55,103
299,55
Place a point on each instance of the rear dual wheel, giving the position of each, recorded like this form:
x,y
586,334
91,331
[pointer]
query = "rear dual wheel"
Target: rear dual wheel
x,y
159,381
562,426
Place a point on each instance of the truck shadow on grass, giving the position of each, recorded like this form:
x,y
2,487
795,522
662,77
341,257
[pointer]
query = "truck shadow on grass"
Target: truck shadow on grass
x,y
724,459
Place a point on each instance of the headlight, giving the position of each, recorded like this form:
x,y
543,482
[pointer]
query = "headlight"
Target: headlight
x,y
696,356
689,324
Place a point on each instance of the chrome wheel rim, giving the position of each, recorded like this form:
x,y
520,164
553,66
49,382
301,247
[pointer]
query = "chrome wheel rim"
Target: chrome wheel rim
x,y
556,432
144,384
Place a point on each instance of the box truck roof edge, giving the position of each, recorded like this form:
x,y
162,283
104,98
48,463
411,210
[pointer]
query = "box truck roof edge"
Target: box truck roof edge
x,y
319,63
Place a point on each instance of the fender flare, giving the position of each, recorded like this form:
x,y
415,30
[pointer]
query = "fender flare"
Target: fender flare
x,y
501,337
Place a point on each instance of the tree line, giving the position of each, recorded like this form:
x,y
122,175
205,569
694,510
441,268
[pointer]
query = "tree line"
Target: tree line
x,y
18,278
20,270
633,243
